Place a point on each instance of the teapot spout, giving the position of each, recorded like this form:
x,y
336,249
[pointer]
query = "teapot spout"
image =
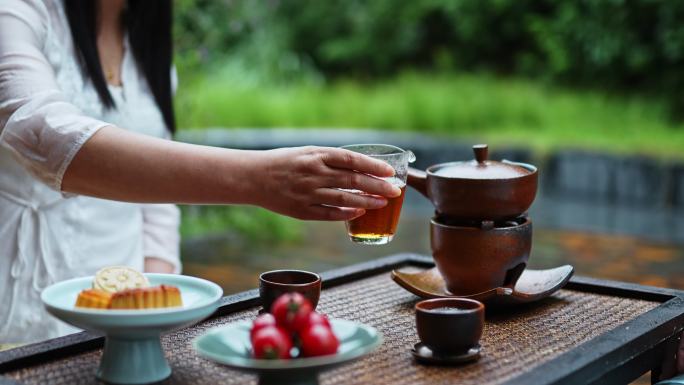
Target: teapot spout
x,y
418,180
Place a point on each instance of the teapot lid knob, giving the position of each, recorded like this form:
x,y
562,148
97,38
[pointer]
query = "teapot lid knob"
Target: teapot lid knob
x,y
481,152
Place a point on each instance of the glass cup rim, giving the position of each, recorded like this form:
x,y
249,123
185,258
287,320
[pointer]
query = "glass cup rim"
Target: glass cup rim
x,y
398,150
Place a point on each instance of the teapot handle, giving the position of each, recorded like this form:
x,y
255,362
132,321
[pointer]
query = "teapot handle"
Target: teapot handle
x,y
418,180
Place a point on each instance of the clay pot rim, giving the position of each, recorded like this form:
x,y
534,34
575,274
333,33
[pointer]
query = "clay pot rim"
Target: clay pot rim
x,y
453,302
432,169
315,281
434,222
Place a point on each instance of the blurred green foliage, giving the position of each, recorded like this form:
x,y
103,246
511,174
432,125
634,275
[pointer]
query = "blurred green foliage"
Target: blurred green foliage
x,y
619,44
245,35
253,225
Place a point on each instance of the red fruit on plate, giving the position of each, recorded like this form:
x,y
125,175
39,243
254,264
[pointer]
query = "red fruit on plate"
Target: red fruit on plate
x,y
318,340
271,343
291,311
318,319
260,322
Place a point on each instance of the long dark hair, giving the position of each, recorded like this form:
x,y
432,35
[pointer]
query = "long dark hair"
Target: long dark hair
x,y
148,23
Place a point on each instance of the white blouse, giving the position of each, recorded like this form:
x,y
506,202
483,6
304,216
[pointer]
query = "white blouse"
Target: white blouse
x,y
48,109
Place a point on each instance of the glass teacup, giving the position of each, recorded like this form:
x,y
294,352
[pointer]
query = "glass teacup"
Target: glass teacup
x,y
377,226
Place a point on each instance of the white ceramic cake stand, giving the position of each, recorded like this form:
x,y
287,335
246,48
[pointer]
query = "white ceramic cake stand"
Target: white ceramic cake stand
x,y
132,352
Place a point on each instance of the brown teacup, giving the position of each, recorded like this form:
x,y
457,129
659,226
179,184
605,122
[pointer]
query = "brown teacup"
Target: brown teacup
x,y
273,284
450,325
475,259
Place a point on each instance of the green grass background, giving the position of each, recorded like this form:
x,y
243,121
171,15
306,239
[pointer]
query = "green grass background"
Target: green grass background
x,y
495,109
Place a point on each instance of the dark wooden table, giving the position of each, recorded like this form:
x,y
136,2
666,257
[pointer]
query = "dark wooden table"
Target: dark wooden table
x,y
591,332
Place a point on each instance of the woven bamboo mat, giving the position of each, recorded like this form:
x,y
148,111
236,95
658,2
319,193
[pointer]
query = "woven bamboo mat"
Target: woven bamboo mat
x,y
512,343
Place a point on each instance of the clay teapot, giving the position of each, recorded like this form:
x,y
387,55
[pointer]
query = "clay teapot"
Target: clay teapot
x,y
479,189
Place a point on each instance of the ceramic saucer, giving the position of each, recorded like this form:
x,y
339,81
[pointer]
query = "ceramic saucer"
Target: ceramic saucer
x,y
424,355
532,285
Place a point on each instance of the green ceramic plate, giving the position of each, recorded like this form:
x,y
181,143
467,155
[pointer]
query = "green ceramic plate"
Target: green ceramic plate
x,y
133,353
229,345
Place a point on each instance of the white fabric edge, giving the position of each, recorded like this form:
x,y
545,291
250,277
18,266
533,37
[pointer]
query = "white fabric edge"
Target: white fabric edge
x,y
83,137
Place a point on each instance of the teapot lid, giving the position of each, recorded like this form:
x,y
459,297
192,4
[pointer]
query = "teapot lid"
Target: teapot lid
x,y
481,168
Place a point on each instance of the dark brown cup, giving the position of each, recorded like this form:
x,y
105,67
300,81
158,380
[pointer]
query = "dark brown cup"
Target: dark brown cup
x,y
273,284
450,332
475,259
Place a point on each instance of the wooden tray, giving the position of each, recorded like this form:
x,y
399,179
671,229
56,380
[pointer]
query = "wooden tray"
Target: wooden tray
x,y
592,331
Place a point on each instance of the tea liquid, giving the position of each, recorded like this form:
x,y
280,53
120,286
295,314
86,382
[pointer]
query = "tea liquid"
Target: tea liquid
x,y
450,310
377,226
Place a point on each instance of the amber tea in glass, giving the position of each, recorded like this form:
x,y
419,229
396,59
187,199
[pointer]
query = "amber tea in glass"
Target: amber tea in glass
x,y
377,226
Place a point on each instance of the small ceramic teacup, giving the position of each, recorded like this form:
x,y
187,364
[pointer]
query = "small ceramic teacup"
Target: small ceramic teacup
x,y
273,284
449,325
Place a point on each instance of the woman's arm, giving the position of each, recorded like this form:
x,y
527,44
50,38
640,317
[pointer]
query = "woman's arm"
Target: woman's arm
x,y
73,152
299,182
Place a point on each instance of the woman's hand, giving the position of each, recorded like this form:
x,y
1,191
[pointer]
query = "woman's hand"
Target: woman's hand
x,y
157,265
673,359
304,183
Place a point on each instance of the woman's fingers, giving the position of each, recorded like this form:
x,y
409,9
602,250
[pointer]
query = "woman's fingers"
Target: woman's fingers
x,y
331,213
345,159
339,198
311,183
356,181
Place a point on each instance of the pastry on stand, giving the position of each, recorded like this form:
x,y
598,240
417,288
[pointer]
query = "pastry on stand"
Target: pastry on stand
x,y
121,287
117,278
